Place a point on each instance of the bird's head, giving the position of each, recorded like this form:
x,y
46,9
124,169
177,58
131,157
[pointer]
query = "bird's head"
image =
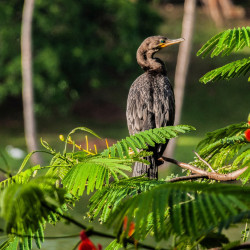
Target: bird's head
x,y
156,43
146,51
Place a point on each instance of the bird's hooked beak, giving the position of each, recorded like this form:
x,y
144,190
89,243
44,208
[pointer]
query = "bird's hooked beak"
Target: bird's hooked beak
x,y
169,42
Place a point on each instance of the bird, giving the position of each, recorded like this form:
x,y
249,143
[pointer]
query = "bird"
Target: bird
x,y
151,102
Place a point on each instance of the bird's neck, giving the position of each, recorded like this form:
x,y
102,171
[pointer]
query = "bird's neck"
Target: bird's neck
x,y
149,63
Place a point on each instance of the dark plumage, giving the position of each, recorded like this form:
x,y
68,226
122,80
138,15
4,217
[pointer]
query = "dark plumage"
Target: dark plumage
x,y
151,101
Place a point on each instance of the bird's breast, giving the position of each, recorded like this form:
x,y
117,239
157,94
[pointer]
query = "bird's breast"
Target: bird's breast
x,y
150,103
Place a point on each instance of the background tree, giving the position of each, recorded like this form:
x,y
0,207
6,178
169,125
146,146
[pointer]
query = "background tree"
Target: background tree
x,y
182,65
192,213
27,73
86,50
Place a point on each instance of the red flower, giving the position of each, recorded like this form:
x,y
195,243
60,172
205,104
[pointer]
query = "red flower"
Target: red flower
x,y
86,243
247,135
131,226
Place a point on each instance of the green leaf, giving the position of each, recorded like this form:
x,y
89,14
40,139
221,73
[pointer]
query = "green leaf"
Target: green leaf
x,y
25,206
226,42
22,177
104,201
186,217
223,147
143,139
93,172
228,71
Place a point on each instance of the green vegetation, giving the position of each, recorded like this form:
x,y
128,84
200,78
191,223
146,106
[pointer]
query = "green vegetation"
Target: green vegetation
x,y
192,214
87,49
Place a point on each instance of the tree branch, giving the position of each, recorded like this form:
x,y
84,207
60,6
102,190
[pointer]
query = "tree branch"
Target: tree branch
x,y
187,178
204,174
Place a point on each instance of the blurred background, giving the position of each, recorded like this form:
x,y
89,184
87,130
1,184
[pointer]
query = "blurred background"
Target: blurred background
x,y
84,63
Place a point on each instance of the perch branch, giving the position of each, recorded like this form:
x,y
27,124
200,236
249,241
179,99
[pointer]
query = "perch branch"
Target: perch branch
x,y
204,174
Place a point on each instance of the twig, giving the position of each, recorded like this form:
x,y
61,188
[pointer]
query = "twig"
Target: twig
x,y
204,174
187,178
199,157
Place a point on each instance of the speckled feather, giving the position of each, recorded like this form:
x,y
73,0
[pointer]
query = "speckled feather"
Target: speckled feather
x,y
150,103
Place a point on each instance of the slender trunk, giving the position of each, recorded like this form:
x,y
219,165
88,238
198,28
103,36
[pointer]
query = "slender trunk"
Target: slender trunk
x,y
28,99
182,64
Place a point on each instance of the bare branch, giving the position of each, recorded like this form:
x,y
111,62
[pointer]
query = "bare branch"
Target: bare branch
x,y
187,178
204,161
212,176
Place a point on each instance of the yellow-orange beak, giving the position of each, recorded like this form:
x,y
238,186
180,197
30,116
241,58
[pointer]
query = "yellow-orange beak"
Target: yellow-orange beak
x,y
169,42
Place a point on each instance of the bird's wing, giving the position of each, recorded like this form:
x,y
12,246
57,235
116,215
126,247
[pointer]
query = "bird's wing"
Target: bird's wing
x,y
164,102
139,106
150,103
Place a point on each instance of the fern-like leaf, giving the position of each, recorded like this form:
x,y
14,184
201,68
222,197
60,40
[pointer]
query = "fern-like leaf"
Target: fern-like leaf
x,y
223,204
145,138
234,69
94,172
25,206
108,198
21,178
226,42
224,146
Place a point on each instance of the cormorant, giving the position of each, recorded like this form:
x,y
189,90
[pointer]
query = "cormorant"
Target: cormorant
x,y
151,102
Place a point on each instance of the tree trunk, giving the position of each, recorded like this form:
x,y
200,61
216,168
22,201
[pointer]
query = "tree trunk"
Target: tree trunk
x,y
28,99
182,65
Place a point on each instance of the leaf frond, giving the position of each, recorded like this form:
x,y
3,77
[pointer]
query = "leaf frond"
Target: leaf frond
x,y
185,203
234,69
141,140
104,201
24,207
94,172
226,42
225,147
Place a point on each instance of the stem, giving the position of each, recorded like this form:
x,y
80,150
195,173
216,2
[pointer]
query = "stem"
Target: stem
x,y
187,178
204,161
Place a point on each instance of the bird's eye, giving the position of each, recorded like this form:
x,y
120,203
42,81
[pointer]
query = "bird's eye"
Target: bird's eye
x,y
162,41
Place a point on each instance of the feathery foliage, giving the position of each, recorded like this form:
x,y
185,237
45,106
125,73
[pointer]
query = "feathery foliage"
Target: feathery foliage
x,y
144,139
226,42
194,213
107,199
223,44
193,209
228,71
26,206
21,178
225,147
94,172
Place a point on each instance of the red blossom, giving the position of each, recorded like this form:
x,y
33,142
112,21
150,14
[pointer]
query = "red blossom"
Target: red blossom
x,y
131,226
86,243
247,135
